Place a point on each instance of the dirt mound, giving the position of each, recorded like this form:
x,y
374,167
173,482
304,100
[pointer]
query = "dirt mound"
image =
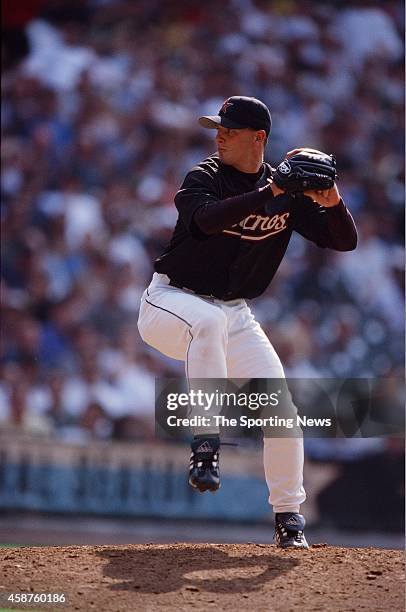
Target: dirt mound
x,y
246,577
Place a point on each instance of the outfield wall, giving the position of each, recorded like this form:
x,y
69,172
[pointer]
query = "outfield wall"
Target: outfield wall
x,y
114,479
149,480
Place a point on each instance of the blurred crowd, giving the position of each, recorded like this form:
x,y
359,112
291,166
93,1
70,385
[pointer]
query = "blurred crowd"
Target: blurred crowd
x,y
100,100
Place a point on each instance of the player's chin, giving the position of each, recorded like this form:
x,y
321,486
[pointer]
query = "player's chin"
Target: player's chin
x,y
224,156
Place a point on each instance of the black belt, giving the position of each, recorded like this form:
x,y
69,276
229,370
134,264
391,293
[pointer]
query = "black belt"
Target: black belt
x,y
174,283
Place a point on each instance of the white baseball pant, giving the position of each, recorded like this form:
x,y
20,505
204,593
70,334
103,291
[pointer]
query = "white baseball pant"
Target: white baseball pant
x,y
218,339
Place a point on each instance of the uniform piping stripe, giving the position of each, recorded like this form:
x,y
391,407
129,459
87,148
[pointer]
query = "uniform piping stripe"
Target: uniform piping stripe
x,y
184,321
244,237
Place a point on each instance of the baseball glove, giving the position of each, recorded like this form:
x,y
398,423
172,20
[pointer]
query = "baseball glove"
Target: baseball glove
x,y
306,170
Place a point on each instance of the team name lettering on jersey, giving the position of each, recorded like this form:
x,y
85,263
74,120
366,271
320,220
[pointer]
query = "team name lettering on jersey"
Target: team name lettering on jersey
x,y
257,227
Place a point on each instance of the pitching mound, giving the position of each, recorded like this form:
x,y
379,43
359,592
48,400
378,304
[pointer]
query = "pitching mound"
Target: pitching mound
x,y
203,576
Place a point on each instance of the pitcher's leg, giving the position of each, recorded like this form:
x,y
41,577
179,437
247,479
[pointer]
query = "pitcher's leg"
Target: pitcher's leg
x,y
283,466
251,355
185,327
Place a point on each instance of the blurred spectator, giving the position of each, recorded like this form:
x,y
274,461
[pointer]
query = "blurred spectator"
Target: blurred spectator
x,y
100,101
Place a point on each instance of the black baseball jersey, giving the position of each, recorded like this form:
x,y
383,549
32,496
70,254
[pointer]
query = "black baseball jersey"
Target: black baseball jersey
x,y
240,260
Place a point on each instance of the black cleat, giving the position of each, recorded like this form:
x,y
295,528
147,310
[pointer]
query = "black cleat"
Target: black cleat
x,y
204,473
289,527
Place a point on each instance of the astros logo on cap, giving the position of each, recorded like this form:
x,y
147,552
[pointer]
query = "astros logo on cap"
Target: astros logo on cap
x,y
225,106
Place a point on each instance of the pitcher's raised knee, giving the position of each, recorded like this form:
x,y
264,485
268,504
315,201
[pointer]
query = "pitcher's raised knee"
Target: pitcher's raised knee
x,y
211,327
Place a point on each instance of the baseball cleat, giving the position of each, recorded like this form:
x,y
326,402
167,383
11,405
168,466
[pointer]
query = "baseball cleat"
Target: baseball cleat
x,y
289,527
204,474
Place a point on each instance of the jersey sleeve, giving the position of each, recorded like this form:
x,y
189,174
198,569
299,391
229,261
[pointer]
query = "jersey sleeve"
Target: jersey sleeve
x,y
198,188
204,213
332,228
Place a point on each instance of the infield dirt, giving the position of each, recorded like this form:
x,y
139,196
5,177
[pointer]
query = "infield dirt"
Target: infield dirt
x,y
209,576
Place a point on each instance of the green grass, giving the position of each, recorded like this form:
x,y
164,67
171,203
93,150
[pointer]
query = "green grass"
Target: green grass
x,y
19,610
13,546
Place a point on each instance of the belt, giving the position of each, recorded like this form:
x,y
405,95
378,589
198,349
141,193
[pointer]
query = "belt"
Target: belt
x,y
173,283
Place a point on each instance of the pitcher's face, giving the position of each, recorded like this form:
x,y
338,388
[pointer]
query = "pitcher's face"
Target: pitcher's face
x,y
236,146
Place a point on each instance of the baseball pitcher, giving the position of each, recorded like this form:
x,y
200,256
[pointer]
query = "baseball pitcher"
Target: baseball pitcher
x,y
236,217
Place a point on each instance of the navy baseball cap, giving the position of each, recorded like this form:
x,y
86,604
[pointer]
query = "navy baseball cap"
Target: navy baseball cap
x,y
239,112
